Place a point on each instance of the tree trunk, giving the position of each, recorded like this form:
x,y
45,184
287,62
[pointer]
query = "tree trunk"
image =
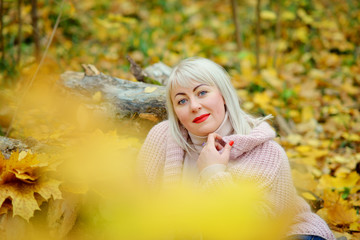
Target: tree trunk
x,y
237,25
258,24
277,31
19,32
2,48
34,18
8,145
121,98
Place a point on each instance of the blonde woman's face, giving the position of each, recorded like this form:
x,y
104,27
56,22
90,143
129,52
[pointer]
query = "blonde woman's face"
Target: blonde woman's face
x,y
200,108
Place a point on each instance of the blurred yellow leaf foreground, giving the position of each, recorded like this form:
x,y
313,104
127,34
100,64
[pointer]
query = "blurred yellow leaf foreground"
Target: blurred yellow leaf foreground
x,y
78,182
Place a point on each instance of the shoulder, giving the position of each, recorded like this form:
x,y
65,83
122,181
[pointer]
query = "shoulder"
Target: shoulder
x,y
275,152
265,162
271,154
272,146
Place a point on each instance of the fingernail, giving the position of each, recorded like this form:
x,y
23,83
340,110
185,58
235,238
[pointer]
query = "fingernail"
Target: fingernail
x,y
231,142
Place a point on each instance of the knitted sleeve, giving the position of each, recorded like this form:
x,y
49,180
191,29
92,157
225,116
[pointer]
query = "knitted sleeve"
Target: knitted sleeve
x,y
151,158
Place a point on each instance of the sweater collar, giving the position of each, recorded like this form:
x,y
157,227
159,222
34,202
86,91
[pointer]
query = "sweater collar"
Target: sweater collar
x,y
224,129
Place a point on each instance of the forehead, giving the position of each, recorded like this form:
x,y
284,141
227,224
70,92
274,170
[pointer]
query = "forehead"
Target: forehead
x,y
188,88
188,85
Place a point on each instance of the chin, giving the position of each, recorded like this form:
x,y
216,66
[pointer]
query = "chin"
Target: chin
x,y
204,133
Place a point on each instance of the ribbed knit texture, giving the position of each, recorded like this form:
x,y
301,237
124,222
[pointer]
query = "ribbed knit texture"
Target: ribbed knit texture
x,y
255,157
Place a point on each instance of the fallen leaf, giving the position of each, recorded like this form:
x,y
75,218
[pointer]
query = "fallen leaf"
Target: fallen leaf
x,y
149,116
23,175
149,89
341,215
267,15
355,226
339,182
308,196
97,97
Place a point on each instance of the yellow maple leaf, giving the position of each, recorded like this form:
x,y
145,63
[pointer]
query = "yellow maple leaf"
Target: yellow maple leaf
x,y
18,166
21,176
22,199
339,182
48,188
340,214
337,211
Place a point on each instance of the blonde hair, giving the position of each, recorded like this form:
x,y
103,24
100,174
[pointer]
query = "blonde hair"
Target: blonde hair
x,y
203,70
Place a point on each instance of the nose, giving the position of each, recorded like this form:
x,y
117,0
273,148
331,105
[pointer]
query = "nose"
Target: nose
x,y
195,105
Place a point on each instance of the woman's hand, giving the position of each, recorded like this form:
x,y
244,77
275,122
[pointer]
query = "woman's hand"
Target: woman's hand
x,y
210,154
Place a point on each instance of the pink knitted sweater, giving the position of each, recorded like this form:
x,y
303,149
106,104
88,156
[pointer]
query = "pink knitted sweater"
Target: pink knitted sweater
x,y
255,156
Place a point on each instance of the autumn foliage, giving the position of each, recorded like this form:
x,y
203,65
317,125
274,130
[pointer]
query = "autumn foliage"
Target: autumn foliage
x,y
24,184
78,180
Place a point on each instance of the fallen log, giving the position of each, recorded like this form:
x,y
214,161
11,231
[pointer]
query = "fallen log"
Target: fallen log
x,y
8,145
126,99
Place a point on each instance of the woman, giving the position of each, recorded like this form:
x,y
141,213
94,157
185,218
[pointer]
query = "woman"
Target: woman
x,y
210,141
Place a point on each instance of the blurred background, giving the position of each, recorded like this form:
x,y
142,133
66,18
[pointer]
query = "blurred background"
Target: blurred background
x,y
314,34
298,60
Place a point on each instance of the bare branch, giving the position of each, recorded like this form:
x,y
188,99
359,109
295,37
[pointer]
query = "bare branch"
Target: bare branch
x,y
35,29
19,32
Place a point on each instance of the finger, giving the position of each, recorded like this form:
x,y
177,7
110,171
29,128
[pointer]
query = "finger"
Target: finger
x,y
214,136
226,152
211,139
222,142
218,146
217,137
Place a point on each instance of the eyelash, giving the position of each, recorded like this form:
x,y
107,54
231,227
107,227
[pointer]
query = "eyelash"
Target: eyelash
x,y
201,93
179,102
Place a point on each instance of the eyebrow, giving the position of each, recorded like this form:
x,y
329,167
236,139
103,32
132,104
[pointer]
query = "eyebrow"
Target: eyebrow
x,y
180,93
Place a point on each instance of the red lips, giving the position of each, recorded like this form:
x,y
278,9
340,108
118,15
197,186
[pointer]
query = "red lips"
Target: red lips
x,y
201,118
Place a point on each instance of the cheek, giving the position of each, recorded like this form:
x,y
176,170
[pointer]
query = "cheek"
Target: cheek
x,y
180,113
220,110
219,105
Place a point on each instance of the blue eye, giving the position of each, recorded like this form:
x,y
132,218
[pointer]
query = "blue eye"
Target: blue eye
x,y
182,101
202,93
